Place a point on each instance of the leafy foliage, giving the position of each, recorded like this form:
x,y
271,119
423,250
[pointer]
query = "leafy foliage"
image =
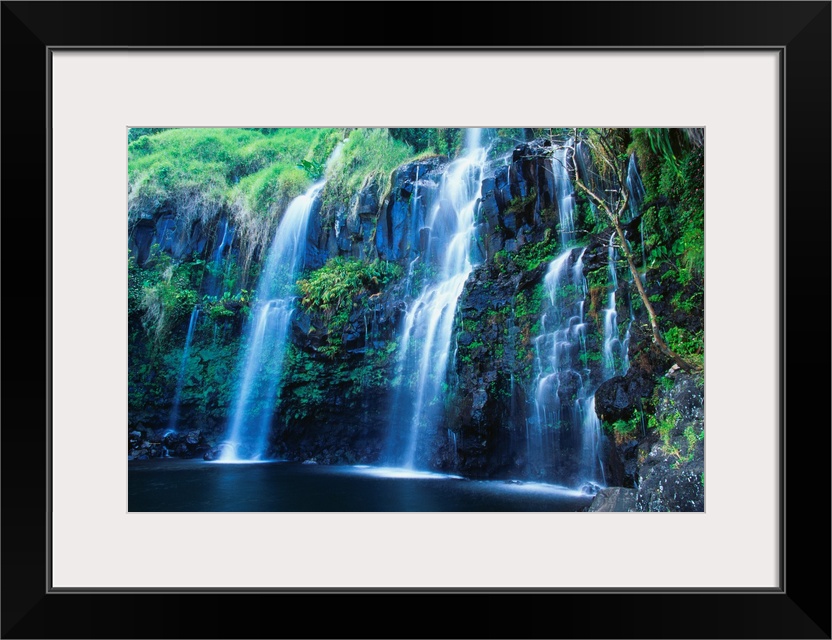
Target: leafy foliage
x,y
625,429
331,292
168,292
426,140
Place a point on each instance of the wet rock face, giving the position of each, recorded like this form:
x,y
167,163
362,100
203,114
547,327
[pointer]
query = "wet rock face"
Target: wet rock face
x,y
141,239
667,466
620,396
487,415
315,251
164,443
173,234
404,215
342,435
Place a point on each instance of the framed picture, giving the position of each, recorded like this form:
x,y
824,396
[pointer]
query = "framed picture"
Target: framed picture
x,y
78,75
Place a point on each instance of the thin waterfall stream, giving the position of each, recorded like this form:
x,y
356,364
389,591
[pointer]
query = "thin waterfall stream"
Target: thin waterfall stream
x,y
180,380
267,333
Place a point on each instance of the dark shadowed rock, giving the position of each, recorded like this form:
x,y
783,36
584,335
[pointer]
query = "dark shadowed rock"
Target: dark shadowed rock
x,y
671,484
399,230
617,499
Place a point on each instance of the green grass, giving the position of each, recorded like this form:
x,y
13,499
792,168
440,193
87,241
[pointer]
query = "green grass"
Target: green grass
x,y
175,165
196,173
367,159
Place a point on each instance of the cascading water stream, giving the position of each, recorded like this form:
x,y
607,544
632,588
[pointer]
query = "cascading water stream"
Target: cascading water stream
x,y
611,342
414,202
426,336
177,396
227,236
636,188
564,434
561,428
565,194
267,333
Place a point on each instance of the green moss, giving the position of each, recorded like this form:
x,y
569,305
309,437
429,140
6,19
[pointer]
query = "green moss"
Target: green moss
x,y
531,255
664,426
168,291
332,290
520,205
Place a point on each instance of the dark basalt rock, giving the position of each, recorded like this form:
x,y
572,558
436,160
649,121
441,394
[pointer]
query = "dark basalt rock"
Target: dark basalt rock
x,y
399,232
141,239
668,486
618,397
316,251
615,499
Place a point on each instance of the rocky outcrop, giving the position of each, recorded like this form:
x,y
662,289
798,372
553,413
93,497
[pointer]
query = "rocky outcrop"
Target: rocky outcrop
x,y
402,232
615,499
489,408
166,443
664,467
671,476
176,235
671,482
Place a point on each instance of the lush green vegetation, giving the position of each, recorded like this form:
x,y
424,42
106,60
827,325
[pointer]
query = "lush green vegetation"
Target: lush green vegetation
x,y
366,160
196,173
673,175
624,430
430,141
333,291
674,216
164,292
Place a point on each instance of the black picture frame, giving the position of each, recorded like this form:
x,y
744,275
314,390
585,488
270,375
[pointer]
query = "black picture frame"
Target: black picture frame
x,y
799,608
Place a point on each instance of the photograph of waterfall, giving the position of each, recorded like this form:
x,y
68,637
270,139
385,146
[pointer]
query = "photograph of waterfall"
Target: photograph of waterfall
x,y
416,319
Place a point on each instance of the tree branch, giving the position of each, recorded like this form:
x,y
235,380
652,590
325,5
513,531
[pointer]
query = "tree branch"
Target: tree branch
x,y
615,220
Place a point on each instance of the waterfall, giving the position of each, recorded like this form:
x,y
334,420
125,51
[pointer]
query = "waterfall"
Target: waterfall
x,y
611,341
227,236
615,352
565,194
414,201
636,188
265,338
562,437
425,344
186,352
564,433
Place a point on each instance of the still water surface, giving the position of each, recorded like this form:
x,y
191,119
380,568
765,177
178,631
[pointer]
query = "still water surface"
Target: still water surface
x,y
170,484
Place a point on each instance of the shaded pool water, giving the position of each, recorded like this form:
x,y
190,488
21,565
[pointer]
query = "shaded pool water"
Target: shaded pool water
x,y
170,484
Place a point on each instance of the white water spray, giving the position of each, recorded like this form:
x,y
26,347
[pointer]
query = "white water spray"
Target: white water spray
x,y
426,336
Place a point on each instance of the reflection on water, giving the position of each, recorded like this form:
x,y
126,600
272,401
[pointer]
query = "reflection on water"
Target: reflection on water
x,y
195,485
